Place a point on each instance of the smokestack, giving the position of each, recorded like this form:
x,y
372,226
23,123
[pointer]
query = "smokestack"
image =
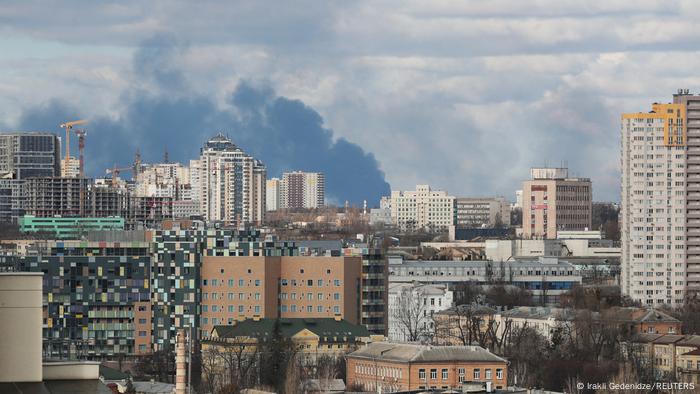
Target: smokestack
x,y
180,363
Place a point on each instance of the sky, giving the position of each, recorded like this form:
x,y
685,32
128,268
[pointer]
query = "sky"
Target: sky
x,y
463,95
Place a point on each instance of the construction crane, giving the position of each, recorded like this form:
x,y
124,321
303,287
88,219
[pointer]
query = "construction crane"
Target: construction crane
x,y
115,172
69,126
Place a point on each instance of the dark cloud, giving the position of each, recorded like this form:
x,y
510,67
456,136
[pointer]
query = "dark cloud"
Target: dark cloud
x,y
285,134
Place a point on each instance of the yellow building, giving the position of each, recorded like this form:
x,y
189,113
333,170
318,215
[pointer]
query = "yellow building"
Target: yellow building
x,y
312,337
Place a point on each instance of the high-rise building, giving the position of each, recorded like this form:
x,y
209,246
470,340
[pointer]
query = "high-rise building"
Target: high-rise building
x,y
56,196
230,183
24,155
70,169
552,202
653,211
482,212
302,190
272,194
690,105
421,209
29,154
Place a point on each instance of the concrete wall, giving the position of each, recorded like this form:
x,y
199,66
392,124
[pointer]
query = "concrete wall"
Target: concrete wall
x,y
20,325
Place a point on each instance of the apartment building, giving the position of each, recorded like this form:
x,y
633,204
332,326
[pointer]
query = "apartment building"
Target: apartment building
x,y
236,288
392,367
653,212
70,168
552,201
230,184
272,194
56,196
299,189
690,128
423,208
482,212
96,297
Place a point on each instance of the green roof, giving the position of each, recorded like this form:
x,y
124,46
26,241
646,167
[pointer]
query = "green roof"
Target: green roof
x,y
326,328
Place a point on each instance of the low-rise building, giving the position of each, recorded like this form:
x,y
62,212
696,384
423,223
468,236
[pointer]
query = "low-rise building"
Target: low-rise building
x,y
392,367
313,337
547,277
69,227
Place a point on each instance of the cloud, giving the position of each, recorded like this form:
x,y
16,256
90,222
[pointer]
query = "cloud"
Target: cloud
x,y
465,97
160,112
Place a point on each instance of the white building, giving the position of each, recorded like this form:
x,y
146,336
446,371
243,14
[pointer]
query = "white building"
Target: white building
x,y
70,169
482,212
272,194
229,184
421,209
425,301
299,189
653,211
163,180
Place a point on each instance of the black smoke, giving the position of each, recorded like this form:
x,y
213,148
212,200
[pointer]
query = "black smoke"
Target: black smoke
x,y
161,113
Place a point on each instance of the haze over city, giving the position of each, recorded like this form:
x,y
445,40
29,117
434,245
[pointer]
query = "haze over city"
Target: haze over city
x,y
489,87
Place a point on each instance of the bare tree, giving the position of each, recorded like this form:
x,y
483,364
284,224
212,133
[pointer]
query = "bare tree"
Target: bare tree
x,y
411,315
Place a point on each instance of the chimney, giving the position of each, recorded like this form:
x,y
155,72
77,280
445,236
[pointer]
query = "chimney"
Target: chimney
x,y
180,363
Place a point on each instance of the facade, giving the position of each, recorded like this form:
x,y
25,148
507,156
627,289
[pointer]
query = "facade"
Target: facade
x,y
11,199
235,288
56,196
653,211
272,194
71,227
482,212
313,337
92,293
392,367
690,128
421,209
411,307
547,277
302,190
29,154
552,202
70,169
230,184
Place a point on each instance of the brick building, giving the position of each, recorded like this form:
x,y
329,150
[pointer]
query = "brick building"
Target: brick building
x,y
393,367
236,288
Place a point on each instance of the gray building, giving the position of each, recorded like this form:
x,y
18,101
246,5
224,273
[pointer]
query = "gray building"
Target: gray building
x,y
29,155
544,276
482,212
24,155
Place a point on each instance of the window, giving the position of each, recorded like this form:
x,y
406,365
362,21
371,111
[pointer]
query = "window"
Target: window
x,y
336,296
320,296
214,282
433,374
214,308
336,282
142,321
310,282
444,374
257,282
142,333
241,282
488,374
257,308
231,308
336,309
477,374
320,309
461,374
320,282
499,373
240,308
205,308
421,374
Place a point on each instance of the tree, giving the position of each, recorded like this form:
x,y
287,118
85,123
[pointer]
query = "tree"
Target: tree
x,y
411,314
277,356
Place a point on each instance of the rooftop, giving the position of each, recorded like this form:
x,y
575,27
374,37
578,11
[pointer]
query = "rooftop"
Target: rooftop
x,y
323,327
409,352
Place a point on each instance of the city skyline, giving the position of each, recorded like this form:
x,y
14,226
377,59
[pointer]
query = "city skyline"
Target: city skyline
x,y
437,90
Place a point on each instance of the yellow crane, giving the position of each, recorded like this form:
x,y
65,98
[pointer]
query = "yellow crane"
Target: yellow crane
x,y
68,126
